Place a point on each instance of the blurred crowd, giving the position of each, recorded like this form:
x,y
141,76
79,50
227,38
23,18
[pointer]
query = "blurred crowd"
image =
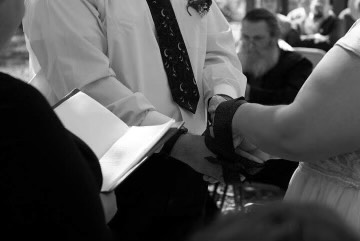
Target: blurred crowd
x,y
305,23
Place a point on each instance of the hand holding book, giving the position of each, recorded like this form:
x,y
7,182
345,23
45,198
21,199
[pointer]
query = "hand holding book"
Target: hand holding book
x,y
120,148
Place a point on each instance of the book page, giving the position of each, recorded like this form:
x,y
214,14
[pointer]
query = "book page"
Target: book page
x,y
98,127
119,147
128,151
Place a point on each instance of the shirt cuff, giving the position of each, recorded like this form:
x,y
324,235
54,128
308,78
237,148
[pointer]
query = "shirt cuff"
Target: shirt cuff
x,y
227,90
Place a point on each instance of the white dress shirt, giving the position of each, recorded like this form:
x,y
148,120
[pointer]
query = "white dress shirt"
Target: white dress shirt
x,y
108,49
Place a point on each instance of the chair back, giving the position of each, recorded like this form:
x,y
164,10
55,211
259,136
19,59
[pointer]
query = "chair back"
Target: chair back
x,y
312,54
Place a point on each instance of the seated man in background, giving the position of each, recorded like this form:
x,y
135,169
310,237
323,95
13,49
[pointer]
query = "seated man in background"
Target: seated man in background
x,y
274,77
319,28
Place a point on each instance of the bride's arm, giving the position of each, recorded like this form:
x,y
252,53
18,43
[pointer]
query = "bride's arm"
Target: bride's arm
x,y
323,120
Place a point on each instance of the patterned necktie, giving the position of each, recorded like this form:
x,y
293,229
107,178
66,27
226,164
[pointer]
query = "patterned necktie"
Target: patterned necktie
x,y
174,55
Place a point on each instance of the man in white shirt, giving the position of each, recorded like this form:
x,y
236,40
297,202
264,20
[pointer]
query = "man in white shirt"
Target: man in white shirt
x,y
109,50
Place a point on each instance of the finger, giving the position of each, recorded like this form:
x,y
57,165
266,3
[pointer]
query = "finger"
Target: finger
x,y
213,160
249,156
260,154
237,139
211,131
210,179
214,102
250,151
206,178
246,145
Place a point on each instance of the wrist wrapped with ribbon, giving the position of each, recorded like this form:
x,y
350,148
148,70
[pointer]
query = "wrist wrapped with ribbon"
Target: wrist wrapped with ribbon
x,y
221,144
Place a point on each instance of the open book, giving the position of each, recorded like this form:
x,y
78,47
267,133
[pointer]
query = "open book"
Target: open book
x,y
120,148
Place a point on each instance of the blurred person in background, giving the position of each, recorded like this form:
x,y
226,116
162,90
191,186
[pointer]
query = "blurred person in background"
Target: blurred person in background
x,y
274,77
233,10
319,28
288,33
299,14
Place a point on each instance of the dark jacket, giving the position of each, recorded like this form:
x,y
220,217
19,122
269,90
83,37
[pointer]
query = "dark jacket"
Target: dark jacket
x,y
280,84
50,179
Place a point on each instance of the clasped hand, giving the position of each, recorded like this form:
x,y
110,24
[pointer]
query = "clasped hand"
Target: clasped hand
x,y
241,145
192,150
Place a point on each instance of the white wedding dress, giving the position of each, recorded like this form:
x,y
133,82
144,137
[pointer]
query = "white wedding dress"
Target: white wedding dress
x,y
334,182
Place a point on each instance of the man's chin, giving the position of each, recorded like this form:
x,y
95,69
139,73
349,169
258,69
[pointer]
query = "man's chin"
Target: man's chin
x,y
256,67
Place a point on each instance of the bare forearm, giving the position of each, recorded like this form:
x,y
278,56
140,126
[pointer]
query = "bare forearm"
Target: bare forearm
x,y
322,121
276,130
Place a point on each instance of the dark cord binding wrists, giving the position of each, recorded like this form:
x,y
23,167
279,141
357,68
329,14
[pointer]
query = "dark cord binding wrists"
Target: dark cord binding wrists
x,y
222,125
222,145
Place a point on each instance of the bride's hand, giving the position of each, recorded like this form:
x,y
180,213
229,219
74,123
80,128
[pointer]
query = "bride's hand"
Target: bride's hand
x,y
252,152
